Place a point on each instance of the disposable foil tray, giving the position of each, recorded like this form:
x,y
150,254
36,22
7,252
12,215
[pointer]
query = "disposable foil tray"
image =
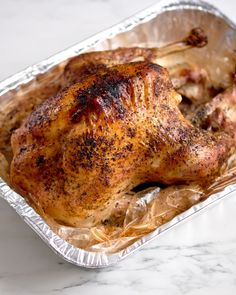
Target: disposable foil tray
x,y
160,24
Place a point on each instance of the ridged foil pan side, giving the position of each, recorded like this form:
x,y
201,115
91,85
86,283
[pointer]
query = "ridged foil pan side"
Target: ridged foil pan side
x,y
130,32
88,259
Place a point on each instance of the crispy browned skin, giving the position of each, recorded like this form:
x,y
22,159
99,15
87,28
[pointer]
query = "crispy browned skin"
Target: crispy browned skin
x,y
84,148
89,63
23,102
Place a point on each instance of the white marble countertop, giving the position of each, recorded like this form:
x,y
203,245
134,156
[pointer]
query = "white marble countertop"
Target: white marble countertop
x,y
198,257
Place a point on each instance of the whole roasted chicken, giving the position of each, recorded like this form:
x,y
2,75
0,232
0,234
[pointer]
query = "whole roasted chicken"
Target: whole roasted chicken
x,y
84,148
117,124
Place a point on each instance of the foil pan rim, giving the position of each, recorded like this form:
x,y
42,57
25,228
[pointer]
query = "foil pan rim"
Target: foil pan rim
x,y
61,247
149,13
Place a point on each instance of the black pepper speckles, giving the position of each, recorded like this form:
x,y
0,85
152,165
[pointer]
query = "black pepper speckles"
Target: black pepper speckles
x,y
23,150
88,151
131,132
40,161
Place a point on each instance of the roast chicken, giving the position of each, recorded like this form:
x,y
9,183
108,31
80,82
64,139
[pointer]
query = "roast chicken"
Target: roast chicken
x,y
83,149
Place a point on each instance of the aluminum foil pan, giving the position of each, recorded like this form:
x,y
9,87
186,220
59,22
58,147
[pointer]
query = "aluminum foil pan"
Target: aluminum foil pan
x,y
162,23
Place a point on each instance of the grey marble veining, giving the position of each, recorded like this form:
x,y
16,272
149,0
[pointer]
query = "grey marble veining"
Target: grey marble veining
x,y
197,257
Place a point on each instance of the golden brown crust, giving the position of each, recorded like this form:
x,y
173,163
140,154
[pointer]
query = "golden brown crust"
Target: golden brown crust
x,y
16,105
84,148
